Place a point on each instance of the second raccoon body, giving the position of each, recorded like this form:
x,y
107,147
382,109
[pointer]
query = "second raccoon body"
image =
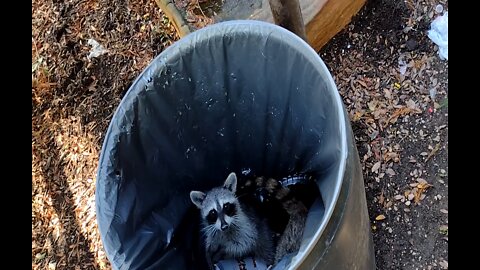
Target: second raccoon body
x,y
291,236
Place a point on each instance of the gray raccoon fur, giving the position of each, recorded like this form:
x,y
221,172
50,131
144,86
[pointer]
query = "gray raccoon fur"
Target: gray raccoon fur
x,y
291,237
232,230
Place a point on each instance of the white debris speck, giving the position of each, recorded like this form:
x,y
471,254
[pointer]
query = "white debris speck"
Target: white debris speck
x,y
96,50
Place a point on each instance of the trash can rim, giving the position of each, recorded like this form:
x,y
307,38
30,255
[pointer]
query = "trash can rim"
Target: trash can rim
x,y
244,26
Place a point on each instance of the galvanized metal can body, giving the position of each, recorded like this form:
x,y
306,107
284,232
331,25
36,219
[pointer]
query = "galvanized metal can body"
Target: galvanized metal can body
x,y
346,240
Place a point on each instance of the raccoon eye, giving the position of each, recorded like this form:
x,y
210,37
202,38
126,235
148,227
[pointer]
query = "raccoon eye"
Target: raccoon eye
x,y
229,209
212,216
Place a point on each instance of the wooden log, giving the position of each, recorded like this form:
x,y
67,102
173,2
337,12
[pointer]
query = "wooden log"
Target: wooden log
x,y
323,19
331,19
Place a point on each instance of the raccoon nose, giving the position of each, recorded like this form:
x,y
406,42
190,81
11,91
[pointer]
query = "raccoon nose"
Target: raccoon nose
x,y
224,227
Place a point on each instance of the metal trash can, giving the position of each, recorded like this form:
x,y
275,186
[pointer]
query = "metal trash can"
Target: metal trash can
x,y
231,96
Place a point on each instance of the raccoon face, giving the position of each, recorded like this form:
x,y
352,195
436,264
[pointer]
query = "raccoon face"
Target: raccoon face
x,y
221,216
219,206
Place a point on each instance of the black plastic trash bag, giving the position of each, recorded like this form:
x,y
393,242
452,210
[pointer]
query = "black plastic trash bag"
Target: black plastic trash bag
x,y
236,96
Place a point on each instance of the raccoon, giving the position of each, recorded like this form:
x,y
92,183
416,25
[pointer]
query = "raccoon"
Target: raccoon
x,y
232,230
290,239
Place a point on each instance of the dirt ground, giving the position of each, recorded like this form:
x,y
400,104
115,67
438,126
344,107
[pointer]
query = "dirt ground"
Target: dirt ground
x,y
399,116
400,124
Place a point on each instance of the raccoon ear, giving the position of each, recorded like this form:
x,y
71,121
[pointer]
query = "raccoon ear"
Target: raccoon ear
x,y
231,182
197,198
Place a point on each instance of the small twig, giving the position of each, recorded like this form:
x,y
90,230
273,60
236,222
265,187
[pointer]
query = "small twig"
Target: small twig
x,y
199,7
433,152
35,46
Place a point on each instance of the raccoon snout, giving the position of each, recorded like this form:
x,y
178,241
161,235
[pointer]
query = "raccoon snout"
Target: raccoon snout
x,y
223,224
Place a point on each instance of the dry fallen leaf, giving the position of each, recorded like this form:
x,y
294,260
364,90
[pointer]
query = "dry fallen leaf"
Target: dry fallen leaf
x,y
444,229
444,264
420,188
40,256
397,113
433,152
398,197
356,116
421,185
411,104
391,156
376,166
390,172
441,127
388,204
422,181
381,199
380,217
372,105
